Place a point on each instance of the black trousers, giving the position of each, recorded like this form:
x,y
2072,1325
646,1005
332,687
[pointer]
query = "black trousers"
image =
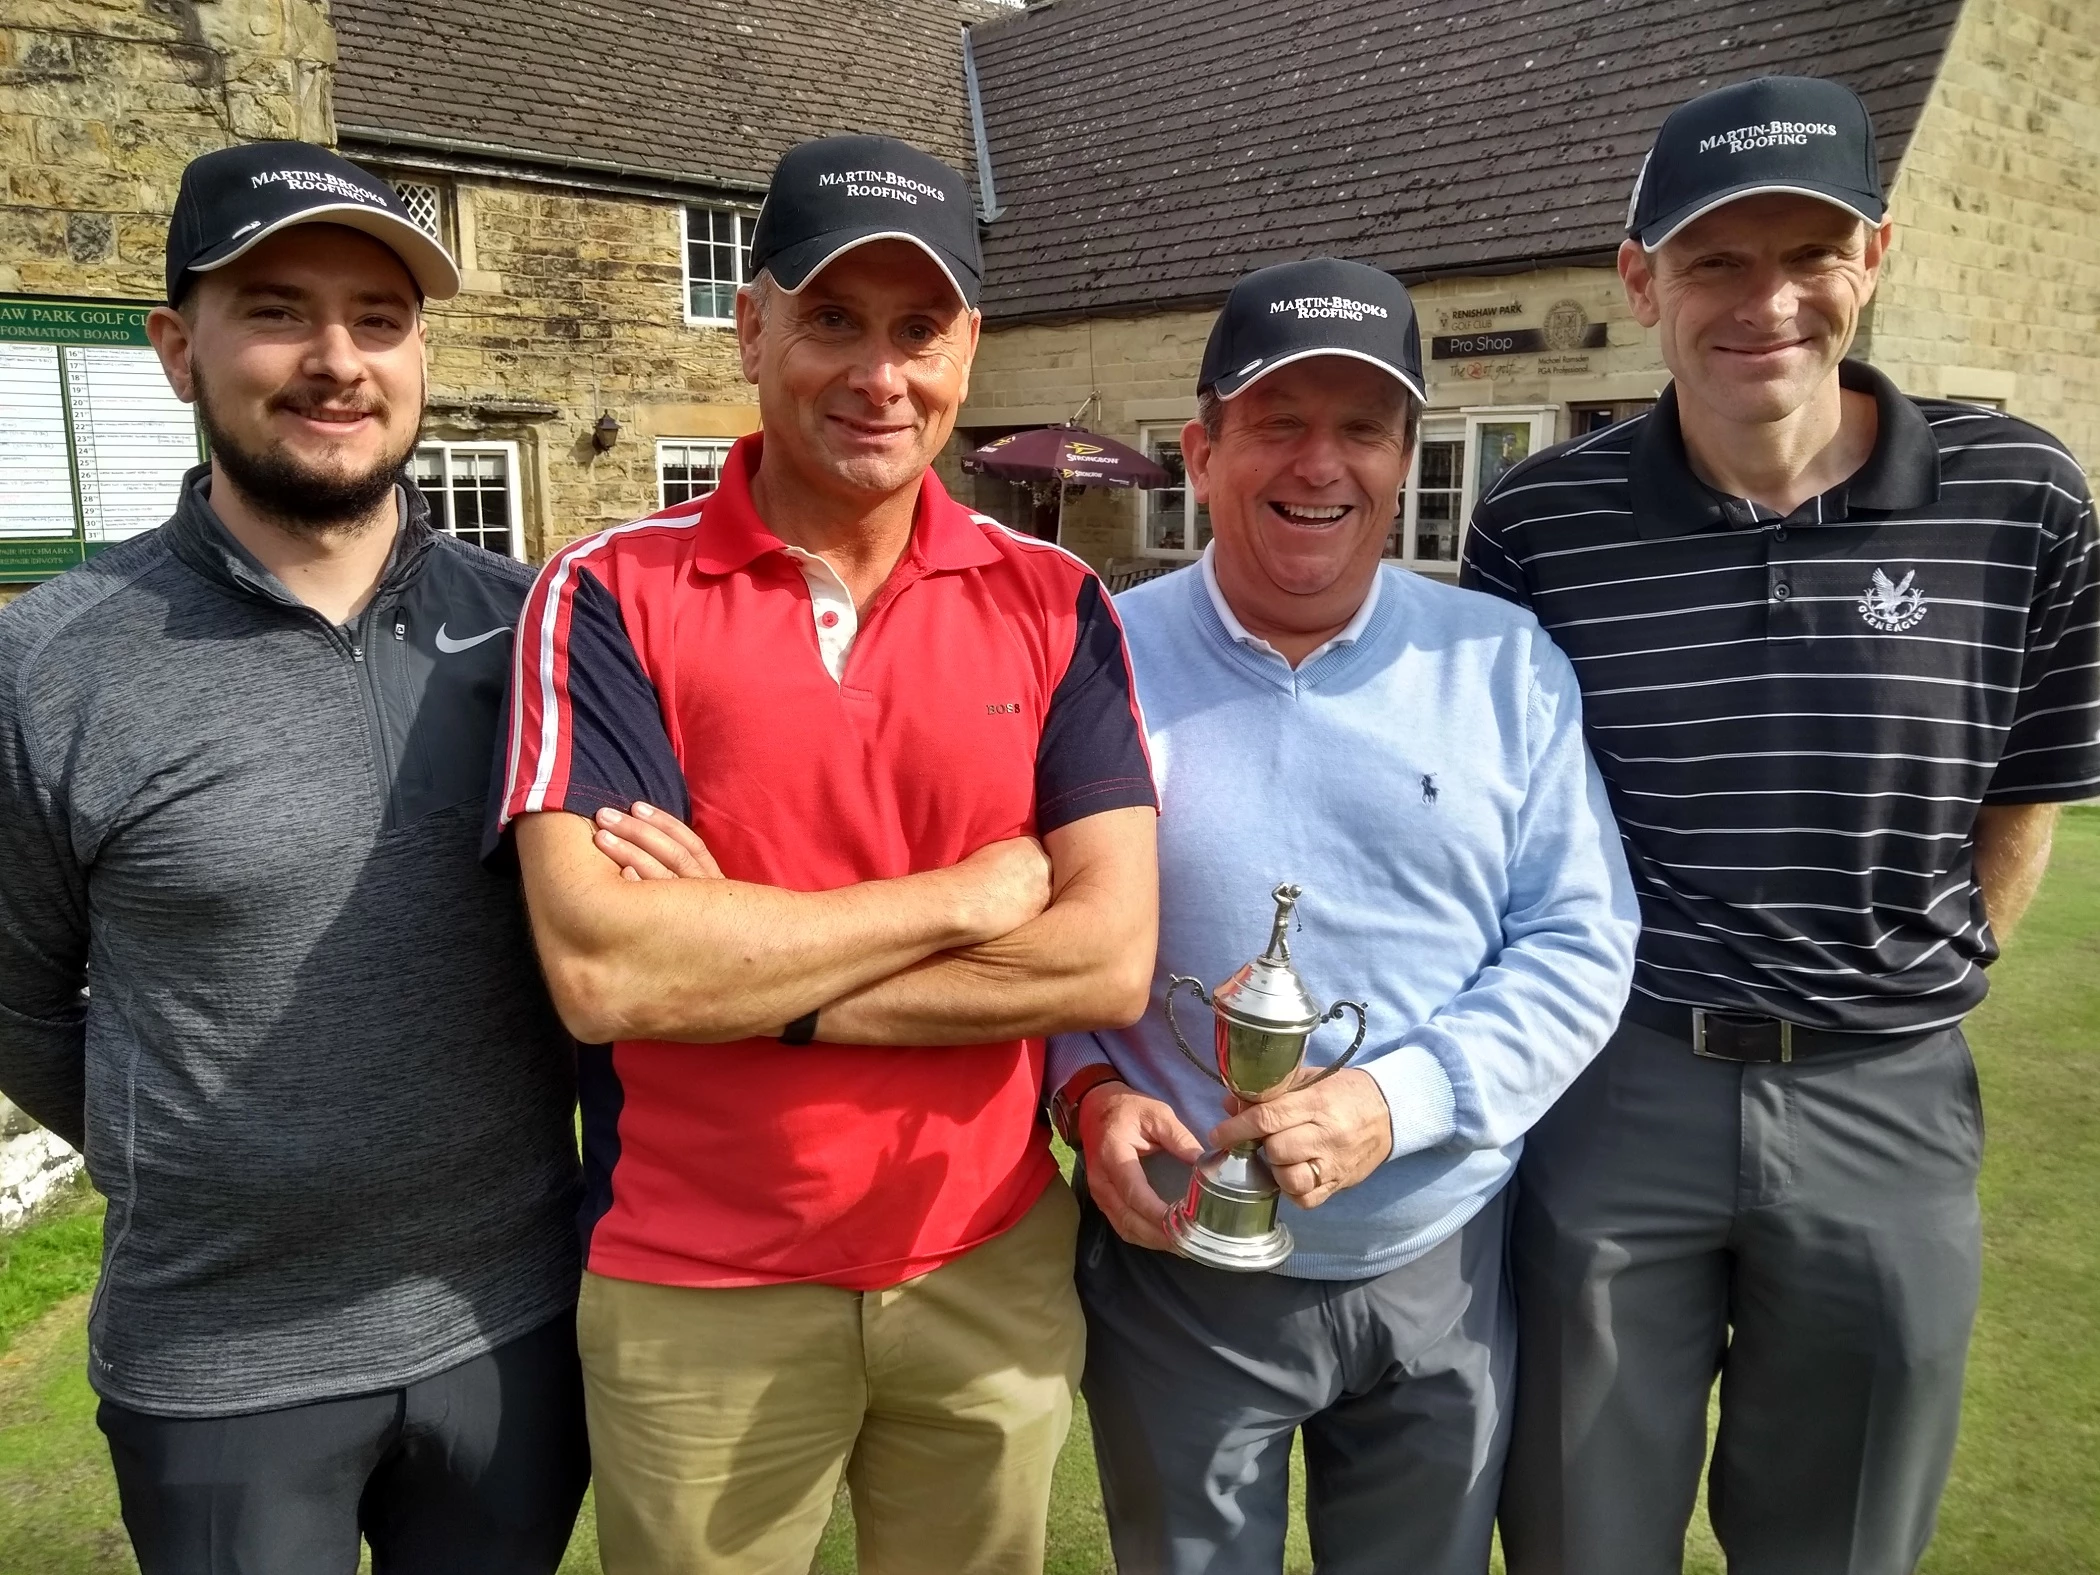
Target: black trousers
x,y
476,1471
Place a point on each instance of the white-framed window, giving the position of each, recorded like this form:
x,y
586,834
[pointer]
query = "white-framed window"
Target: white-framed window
x,y
1432,506
688,468
425,202
473,493
717,242
1171,523
1458,456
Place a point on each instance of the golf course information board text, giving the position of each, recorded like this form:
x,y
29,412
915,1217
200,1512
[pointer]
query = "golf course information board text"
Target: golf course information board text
x,y
93,443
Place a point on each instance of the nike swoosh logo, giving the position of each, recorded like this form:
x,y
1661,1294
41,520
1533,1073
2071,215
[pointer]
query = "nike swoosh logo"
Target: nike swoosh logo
x,y
450,646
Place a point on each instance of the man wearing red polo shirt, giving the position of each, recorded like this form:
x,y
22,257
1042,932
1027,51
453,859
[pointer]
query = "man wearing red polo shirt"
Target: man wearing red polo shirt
x,y
824,1228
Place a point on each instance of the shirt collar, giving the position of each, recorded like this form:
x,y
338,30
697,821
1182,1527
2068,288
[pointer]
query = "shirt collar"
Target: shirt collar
x,y
944,534
1903,472
1349,634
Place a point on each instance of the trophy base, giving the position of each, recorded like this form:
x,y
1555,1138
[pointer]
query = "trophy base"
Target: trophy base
x,y
1244,1254
1228,1220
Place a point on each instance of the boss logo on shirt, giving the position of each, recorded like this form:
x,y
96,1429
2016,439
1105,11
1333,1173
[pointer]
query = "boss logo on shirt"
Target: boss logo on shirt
x,y
1002,707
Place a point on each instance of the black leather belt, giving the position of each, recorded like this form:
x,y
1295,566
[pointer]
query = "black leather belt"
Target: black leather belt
x,y
1742,1036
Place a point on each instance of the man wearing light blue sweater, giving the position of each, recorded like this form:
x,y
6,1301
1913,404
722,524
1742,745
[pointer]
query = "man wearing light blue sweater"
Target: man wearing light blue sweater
x,y
1412,755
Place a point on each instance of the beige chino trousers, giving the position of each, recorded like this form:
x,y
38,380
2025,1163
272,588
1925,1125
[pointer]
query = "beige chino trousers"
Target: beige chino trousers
x,y
721,1419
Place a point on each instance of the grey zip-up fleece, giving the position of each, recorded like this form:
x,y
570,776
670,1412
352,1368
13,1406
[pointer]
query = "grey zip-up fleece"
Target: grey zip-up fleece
x,y
317,1075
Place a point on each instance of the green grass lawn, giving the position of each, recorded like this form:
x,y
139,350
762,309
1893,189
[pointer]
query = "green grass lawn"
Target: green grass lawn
x,y
2024,1500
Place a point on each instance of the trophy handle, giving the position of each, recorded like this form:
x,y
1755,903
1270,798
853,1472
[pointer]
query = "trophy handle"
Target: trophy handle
x,y
1174,982
1363,1023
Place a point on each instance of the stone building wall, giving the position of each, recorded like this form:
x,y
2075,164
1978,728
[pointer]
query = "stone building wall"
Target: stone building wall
x,y
572,303
1992,290
102,102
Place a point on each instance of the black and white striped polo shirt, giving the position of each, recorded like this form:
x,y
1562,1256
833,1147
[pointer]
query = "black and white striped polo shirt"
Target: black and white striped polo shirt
x,y
1798,717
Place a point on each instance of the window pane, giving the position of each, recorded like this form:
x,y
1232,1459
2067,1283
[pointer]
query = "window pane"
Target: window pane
x,y
1437,502
423,204
686,471
714,260
469,492
1502,445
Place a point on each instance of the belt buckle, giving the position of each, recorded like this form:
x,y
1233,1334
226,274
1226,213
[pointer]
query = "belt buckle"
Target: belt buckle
x,y
1786,1041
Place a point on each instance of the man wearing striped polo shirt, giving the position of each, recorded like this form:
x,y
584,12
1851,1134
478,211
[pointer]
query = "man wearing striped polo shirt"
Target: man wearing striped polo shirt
x,y
1838,651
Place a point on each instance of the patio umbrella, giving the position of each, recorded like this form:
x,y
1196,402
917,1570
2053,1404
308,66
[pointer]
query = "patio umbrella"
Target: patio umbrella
x,y
1066,455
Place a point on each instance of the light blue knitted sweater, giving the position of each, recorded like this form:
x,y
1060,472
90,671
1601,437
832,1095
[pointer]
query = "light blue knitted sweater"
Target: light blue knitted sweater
x,y
1425,779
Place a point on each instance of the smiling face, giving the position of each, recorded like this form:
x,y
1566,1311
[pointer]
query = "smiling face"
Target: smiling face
x,y
305,360
1303,482
861,372
1757,302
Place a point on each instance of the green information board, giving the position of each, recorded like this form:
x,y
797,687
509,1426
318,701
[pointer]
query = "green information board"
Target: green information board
x,y
93,443
29,320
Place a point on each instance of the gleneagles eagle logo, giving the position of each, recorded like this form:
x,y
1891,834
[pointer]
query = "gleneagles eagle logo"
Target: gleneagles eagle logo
x,y
1892,606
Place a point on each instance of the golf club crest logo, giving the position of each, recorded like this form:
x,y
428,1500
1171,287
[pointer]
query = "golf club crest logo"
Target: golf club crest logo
x,y
1565,327
1892,605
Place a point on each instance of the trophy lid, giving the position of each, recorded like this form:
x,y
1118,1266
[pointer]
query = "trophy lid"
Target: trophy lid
x,y
1267,995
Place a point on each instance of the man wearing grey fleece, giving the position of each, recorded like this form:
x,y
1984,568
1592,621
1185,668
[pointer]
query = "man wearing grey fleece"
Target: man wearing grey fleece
x,y
1413,754
243,765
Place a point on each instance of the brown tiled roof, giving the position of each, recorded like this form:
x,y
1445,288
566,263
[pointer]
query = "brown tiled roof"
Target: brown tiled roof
x,y
714,90
1145,153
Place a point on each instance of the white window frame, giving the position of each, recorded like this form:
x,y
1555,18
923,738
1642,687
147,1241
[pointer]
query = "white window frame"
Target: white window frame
x,y
1443,426
1150,435
1436,427
745,218
437,204
516,489
720,446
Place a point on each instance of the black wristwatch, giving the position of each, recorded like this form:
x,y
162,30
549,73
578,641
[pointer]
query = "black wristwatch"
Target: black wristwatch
x,y
802,1031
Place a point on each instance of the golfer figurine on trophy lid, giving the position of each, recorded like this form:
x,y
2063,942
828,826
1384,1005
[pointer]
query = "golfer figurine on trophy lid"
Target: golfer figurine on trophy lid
x,y
1264,1017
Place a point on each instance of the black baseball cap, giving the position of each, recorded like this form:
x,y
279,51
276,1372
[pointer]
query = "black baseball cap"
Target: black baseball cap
x,y
836,193
1322,306
236,198
1797,134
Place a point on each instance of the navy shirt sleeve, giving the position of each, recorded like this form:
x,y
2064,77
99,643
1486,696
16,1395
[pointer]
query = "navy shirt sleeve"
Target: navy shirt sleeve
x,y
586,730
2052,752
1091,756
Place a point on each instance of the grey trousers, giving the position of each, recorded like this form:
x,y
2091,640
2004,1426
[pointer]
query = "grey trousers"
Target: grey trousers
x,y
1810,1233
1196,1379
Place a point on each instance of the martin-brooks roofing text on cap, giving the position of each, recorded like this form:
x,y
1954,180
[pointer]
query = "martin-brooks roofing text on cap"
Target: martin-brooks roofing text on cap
x,y
234,199
1321,306
836,193
1774,134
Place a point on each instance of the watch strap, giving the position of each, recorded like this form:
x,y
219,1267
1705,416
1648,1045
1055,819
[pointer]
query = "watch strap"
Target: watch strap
x,y
1064,1104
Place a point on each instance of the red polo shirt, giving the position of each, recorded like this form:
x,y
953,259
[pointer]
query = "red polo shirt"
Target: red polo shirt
x,y
688,659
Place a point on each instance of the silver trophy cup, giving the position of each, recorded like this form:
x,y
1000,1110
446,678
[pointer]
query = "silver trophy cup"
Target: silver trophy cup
x,y
1263,1017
